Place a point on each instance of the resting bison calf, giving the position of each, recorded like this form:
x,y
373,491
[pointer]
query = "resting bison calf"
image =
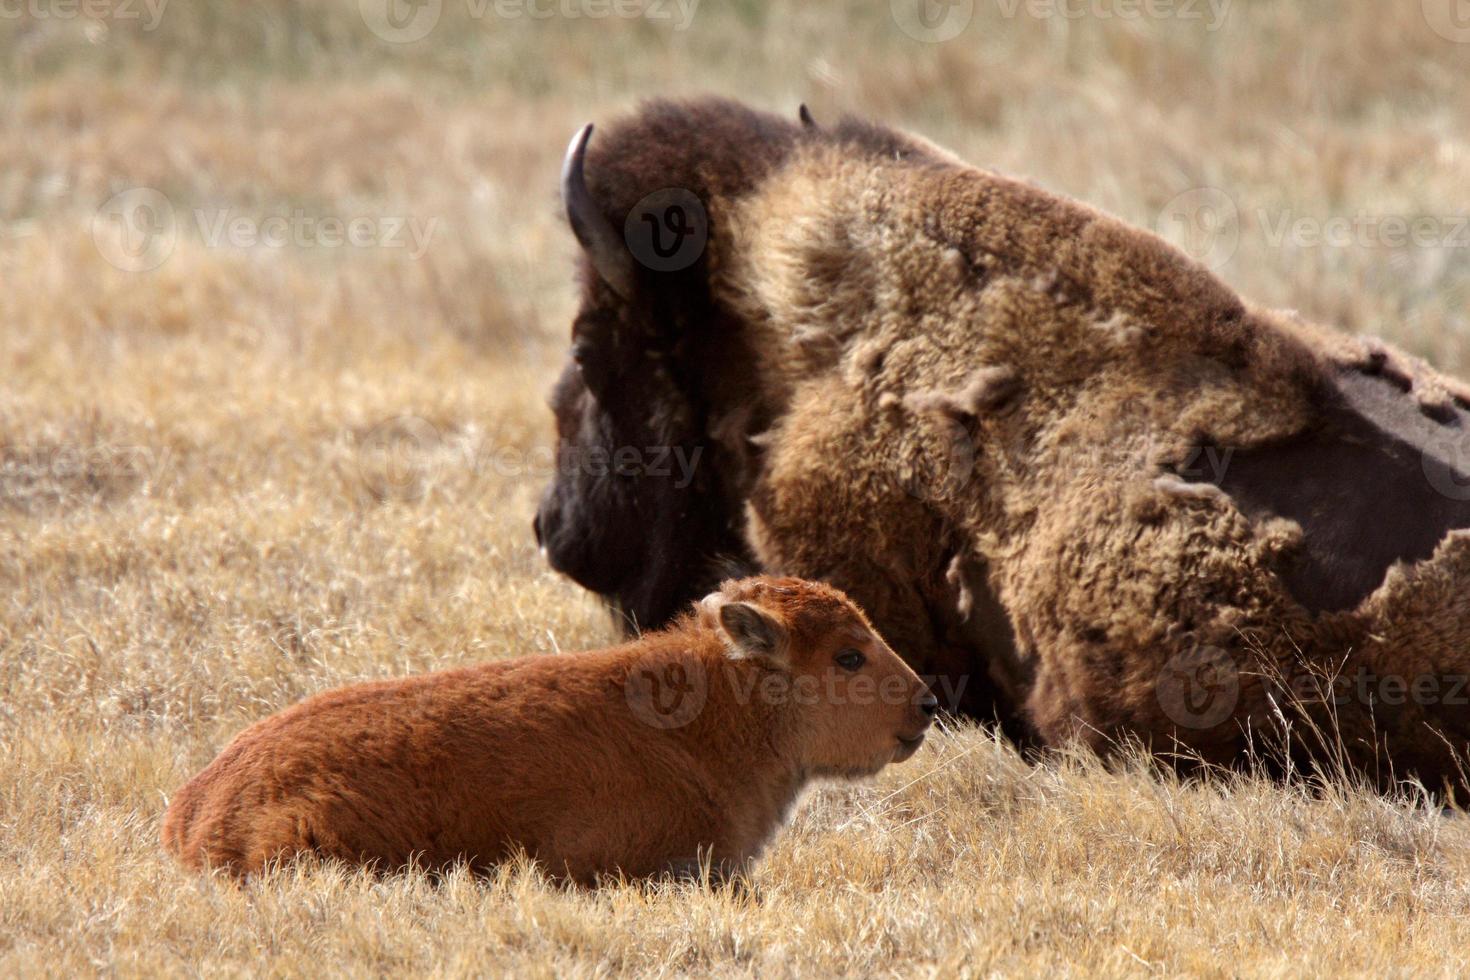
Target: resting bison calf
x,y
686,747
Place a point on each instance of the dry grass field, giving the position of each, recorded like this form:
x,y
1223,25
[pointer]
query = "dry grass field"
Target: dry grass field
x,y
245,456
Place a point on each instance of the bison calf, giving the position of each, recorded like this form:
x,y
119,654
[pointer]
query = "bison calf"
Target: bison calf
x,y
687,745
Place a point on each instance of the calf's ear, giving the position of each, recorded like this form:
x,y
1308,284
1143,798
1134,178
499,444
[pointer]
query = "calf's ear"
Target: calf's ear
x,y
752,634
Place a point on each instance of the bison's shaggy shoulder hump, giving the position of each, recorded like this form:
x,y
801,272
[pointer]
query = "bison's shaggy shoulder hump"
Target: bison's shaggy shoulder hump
x,y
713,148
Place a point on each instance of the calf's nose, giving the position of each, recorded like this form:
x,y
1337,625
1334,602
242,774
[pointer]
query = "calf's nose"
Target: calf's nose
x,y
536,527
928,704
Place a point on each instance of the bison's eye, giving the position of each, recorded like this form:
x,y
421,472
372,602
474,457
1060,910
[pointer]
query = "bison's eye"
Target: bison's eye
x,y
851,660
592,369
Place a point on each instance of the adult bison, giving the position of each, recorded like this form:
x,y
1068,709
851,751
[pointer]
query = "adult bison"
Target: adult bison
x,y
1068,472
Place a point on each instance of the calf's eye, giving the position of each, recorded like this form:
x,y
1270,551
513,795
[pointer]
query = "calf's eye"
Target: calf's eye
x,y
851,660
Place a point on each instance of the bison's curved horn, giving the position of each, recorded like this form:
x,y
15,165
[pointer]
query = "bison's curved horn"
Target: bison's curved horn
x,y
599,239
806,117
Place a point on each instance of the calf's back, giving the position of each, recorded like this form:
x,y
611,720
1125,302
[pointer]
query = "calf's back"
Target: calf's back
x,y
540,753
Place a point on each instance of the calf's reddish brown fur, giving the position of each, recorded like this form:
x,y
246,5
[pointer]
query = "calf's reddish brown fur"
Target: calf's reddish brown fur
x,y
687,745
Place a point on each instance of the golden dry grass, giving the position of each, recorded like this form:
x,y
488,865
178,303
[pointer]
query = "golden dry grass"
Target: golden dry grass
x,y
252,473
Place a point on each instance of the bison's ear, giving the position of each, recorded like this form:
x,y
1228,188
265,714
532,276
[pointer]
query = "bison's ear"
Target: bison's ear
x,y
752,634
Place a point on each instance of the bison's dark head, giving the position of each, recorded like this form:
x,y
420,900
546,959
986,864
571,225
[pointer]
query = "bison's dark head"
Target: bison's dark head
x,y
646,507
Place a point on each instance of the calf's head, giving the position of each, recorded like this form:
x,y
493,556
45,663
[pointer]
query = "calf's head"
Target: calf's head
x,y
845,704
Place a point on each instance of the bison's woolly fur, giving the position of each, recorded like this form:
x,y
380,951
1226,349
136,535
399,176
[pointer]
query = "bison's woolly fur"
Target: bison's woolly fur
x,y
868,276
1099,600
